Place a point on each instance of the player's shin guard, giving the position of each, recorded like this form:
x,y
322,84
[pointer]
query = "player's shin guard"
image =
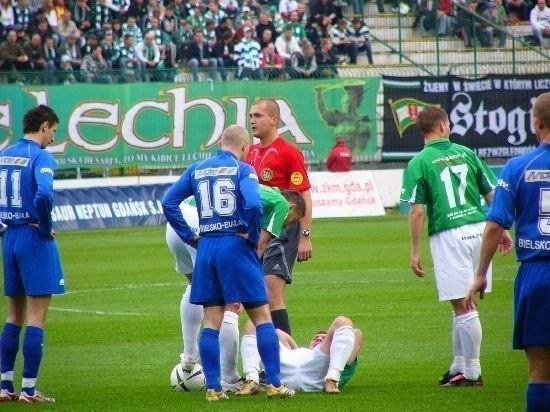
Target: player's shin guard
x,y
268,347
209,347
229,346
32,356
469,328
9,346
458,354
280,320
538,397
341,347
191,318
250,357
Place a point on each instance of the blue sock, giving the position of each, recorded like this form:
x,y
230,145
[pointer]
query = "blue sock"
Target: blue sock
x,y
209,348
9,345
32,354
268,347
538,397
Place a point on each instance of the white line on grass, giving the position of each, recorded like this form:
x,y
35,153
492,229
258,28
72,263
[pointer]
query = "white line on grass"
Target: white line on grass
x,y
125,287
97,312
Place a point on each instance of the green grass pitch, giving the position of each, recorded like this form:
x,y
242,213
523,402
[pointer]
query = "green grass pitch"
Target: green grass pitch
x,y
113,339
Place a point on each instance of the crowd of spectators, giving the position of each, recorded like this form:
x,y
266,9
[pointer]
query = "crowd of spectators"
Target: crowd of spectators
x,y
107,41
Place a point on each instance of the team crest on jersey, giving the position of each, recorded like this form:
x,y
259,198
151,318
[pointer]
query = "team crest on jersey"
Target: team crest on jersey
x,y
267,174
296,178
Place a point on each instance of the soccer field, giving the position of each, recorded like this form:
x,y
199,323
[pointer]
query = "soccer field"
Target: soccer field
x,y
113,339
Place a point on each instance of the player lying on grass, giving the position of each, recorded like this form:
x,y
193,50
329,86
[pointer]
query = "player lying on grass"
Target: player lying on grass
x,y
327,364
279,209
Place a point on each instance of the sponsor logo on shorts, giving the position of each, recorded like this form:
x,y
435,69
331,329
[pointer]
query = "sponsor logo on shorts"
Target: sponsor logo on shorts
x,y
62,282
297,178
267,174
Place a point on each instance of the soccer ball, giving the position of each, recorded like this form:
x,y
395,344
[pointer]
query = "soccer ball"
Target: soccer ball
x,y
182,381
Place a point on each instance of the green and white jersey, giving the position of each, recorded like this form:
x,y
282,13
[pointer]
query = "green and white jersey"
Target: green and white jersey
x,y
275,209
449,179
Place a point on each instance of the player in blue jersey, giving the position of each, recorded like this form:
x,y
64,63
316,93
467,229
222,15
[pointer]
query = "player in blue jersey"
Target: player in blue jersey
x,y
32,269
227,268
522,197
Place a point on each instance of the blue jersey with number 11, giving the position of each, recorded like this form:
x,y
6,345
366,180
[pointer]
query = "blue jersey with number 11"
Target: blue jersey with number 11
x,y
26,185
227,194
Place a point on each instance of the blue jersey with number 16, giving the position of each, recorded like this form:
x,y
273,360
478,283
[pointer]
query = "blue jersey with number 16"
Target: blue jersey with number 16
x,y
227,194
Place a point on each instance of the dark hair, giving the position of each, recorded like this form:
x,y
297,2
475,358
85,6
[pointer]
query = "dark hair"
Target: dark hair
x,y
35,117
429,118
295,198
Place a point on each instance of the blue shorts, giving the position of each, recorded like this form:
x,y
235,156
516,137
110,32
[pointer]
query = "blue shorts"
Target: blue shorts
x,y
532,305
31,263
227,270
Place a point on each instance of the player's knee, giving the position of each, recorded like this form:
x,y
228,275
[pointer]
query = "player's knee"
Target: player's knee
x,y
342,321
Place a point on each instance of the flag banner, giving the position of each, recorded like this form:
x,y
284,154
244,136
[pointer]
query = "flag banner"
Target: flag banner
x,y
173,125
491,115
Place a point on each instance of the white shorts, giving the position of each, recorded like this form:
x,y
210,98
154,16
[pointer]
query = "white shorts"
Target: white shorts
x,y
184,254
455,255
303,369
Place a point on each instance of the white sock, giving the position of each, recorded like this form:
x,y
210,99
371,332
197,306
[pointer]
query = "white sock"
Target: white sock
x,y
250,357
229,347
341,347
469,328
458,362
191,318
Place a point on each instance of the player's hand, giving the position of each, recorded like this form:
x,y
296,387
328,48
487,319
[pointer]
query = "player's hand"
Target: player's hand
x,y
304,249
195,241
416,266
506,243
479,285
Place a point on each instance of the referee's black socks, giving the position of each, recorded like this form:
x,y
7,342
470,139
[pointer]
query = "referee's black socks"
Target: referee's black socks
x,y
280,320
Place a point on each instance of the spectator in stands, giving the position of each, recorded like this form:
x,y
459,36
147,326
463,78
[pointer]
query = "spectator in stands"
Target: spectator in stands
x,y
518,10
214,13
91,42
119,8
53,59
267,37
496,15
148,53
326,59
359,36
244,17
247,56
67,27
277,20
264,24
324,15
110,50
138,10
128,63
286,45
444,18
103,16
304,65
298,29
209,33
131,27
50,13
71,60
470,27
340,156
183,39
271,63
225,54
196,19
59,7
170,24
540,22
225,24
35,51
199,54
342,44
82,16
94,67
230,8
7,17
286,7
44,29
13,58
24,16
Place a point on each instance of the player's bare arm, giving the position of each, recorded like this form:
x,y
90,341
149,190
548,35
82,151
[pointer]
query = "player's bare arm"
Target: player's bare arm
x,y
416,223
305,250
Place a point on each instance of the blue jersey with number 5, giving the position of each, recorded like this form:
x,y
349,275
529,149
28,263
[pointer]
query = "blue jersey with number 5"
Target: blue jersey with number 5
x,y
26,185
227,194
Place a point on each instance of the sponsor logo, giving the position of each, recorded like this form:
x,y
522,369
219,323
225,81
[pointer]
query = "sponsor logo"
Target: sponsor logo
x,y
505,185
10,160
215,171
46,170
537,176
266,174
296,178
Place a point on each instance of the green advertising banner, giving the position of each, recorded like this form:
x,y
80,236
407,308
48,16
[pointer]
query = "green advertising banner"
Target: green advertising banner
x,y
173,125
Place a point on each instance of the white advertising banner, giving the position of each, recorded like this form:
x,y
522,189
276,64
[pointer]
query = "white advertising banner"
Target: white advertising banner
x,y
345,194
